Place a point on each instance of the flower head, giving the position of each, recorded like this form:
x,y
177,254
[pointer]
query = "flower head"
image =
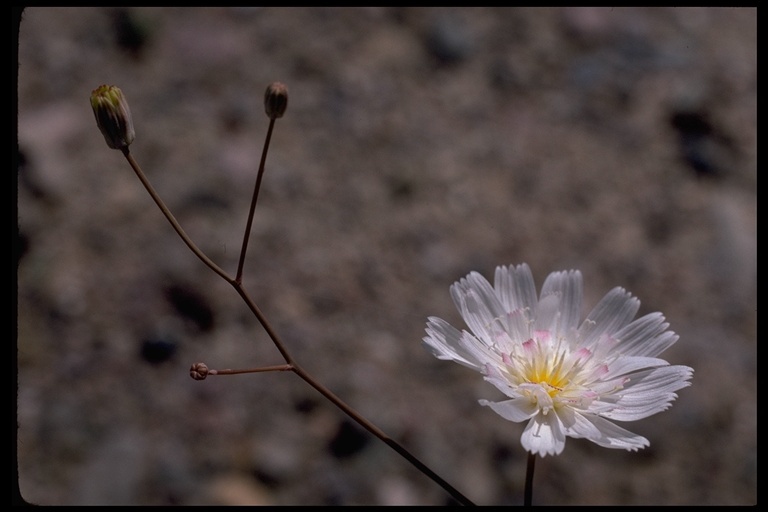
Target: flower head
x,y
565,377
113,116
276,100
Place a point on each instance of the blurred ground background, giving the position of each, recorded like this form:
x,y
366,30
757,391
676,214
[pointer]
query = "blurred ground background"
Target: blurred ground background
x,y
419,144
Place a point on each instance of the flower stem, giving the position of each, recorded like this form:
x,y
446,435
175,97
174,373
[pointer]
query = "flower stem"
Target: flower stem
x,y
168,215
276,368
256,188
276,340
529,479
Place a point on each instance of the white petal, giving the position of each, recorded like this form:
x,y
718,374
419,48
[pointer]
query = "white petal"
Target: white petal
x,y
503,342
576,425
494,376
517,410
515,287
607,434
487,295
547,313
613,312
634,412
478,350
568,287
645,336
477,304
519,326
624,365
544,435
647,393
658,380
443,340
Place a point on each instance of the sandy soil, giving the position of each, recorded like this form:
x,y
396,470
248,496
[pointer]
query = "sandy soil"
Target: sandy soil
x,y
419,145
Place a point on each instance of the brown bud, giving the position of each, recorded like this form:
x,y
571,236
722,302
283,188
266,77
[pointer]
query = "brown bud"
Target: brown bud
x,y
199,371
113,116
276,100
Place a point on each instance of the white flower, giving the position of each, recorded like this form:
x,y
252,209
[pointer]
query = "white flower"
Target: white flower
x,y
569,379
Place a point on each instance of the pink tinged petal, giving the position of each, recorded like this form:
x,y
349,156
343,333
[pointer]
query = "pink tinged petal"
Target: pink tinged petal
x,y
544,435
568,287
578,358
613,312
604,433
600,372
503,343
443,340
515,287
516,410
491,371
582,354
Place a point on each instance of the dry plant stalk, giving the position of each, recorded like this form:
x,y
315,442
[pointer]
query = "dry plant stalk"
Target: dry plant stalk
x,y
113,118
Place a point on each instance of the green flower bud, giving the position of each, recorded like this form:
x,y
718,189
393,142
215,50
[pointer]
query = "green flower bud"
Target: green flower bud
x,y
276,100
113,116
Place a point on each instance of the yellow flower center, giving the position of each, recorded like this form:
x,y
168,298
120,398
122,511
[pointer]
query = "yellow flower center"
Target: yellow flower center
x,y
547,372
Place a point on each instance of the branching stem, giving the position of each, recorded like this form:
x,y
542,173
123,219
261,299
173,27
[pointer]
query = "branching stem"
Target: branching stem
x,y
291,364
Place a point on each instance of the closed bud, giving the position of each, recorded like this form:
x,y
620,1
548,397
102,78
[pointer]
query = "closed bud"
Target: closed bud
x,y
198,371
276,100
113,116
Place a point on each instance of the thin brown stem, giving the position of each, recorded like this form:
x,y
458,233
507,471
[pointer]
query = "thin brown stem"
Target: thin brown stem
x,y
362,421
168,215
529,479
256,188
373,429
276,368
